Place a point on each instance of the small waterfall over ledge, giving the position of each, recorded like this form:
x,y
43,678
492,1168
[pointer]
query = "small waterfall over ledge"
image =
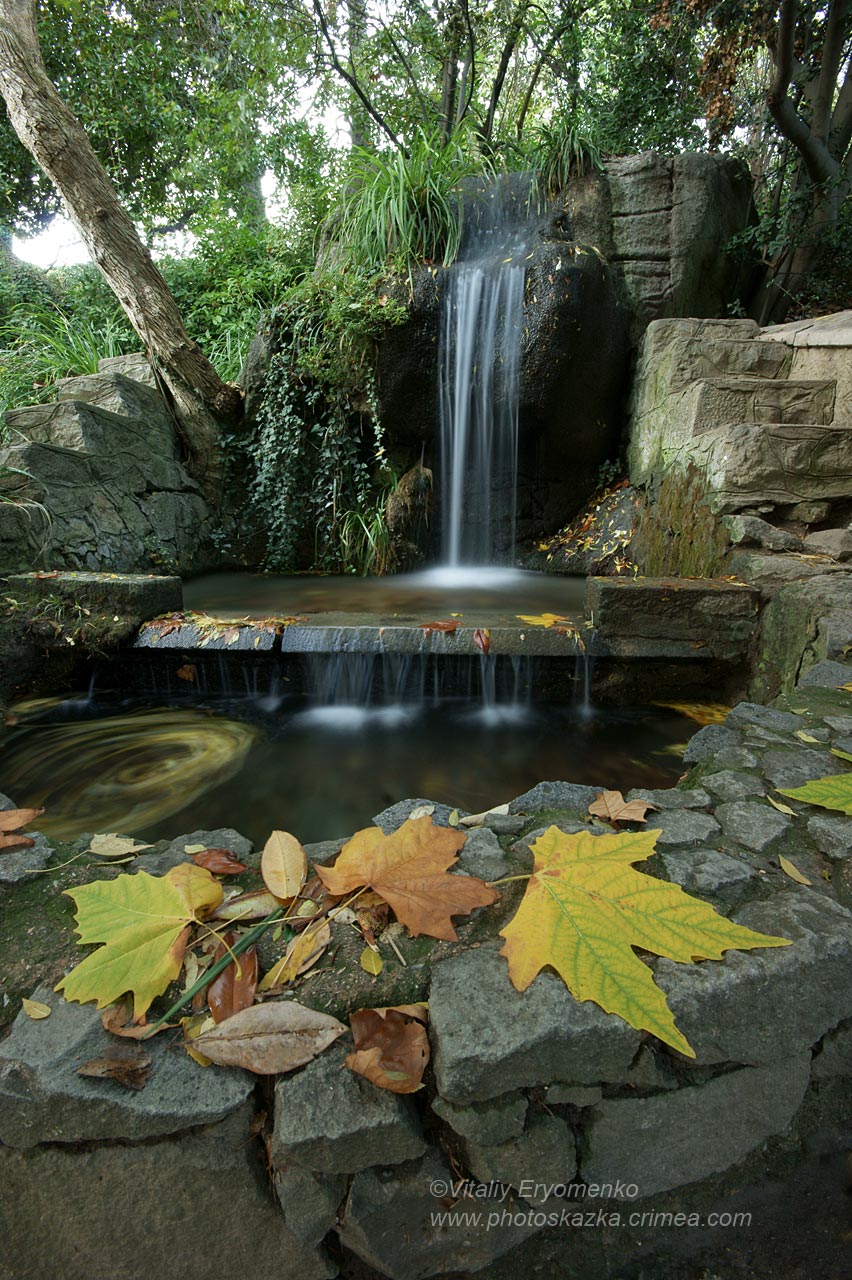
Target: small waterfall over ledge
x,y
479,363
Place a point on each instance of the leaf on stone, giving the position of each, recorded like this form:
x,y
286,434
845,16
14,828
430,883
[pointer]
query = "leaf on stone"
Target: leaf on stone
x,y
126,1064
233,989
14,819
482,639
271,1038
144,923
391,1046
477,819
790,869
422,811
842,755
302,953
283,865
807,737
409,870
612,807
542,619
371,962
220,862
115,846
782,808
832,792
448,625
117,1019
35,1009
193,1027
585,909
247,906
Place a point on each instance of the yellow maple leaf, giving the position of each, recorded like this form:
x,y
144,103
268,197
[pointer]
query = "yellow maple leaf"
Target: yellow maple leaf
x,y
144,922
586,908
409,870
541,619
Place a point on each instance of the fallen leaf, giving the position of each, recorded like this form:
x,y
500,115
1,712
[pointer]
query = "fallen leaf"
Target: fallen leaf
x,y
233,989
193,1027
115,846
126,1064
701,712
221,862
782,808
409,870
453,818
302,953
9,843
542,619
371,962
144,922
247,906
790,869
283,865
194,848
477,819
117,1020
807,737
584,910
13,819
612,806
832,792
841,755
448,626
35,1009
422,811
391,1046
482,639
271,1038
187,672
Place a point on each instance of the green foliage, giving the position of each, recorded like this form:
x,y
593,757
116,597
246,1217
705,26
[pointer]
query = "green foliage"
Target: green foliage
x,y
403,206
561,151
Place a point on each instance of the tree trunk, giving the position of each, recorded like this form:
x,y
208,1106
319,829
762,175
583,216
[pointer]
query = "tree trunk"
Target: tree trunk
x,y
59,144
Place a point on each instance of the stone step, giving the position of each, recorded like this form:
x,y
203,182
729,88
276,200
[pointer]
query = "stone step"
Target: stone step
x,y
76,424
116,393
716,402
692,359
751,465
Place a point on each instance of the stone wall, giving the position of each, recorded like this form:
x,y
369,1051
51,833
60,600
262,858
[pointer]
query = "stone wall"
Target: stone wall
x,y
537,1110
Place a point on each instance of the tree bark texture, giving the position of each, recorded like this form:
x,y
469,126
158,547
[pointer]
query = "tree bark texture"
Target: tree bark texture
x,y
60,145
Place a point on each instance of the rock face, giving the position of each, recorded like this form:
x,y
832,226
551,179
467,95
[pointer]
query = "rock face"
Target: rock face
x,y
641,240
95,481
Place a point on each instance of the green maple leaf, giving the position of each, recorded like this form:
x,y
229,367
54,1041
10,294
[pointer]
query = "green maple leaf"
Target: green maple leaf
x,y
586,908
144,922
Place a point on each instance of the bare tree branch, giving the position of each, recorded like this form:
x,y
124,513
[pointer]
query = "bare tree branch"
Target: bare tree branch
x,y
836,31
350,78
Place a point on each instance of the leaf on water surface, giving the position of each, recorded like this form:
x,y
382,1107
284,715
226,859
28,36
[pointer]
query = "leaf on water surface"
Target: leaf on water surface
x,y
144,923
409,870
612,806
233,989
271,1038
283,865
584,910
391,1046
126,1064
220,862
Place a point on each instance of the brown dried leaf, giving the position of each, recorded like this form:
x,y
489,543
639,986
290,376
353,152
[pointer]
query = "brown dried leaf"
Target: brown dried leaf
x,y
283,865
302,953
117,1020
8,843
187,672
391,1046
13,819
448,625
270,1038
221,862
482,639
234,988
612,807
247,906
126,1064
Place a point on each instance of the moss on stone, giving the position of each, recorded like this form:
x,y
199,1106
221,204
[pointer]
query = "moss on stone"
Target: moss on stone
x,y
678,535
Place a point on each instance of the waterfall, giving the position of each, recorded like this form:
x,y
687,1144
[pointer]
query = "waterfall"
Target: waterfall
x,y
479,362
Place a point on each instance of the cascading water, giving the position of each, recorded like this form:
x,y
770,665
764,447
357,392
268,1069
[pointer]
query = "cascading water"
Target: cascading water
x,y
481,329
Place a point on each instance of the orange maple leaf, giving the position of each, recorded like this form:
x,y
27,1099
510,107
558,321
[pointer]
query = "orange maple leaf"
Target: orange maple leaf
x,y
409,870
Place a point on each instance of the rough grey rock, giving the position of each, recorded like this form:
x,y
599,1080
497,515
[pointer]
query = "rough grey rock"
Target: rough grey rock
x,y
810,512
391,1223
508,824
836,543
747,529
22,864
834,1056
840,724
832,835
488,1038
755,826
728,784
568,1095
759,1006
708,872
672,797
651,1072
661,1143
746,714
709,741
793,768
309,1201
331,1120
392,818
542,1157
42,1099
6,803
827,675
555,795
158,861
486,1123
481,855
684,827
123,1211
